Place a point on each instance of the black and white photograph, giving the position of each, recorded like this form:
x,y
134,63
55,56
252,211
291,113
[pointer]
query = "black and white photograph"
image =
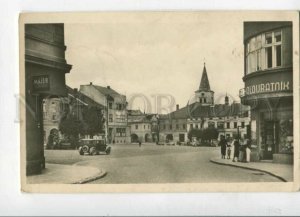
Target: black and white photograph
x,y
159,101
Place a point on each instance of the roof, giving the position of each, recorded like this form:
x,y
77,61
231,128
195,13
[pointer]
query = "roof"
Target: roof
x,y
81,98
139,117
109,91
197,110
204,83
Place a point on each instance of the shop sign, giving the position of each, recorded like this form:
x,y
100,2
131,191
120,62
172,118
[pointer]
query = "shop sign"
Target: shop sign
x,y
40,83
268,87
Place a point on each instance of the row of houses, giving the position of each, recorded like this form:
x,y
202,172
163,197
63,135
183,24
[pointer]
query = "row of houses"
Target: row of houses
x,y
126,126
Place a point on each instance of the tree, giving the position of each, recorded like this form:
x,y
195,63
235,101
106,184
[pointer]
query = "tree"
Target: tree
x,y
195,133
210,134
71,126
93,120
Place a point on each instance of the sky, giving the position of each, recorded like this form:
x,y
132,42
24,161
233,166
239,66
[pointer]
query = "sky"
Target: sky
x,y
146,54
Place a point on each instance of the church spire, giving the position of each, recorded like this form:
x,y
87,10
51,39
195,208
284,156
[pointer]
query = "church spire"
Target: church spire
x,y
204,83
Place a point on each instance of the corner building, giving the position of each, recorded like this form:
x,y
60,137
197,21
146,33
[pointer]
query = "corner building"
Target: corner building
x,y
268,78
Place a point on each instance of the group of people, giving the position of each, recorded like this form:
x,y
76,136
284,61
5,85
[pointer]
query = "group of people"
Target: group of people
x,y
241,152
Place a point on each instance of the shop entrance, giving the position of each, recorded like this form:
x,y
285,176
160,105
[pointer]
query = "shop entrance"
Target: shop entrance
x,y
270,138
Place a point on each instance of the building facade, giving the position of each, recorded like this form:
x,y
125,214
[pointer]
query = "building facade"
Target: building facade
x,y
268,78
45,69
142,126
115,105
230,120
54,109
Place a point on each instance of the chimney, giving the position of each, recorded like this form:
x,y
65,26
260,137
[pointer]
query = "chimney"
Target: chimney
x,y
108,87
91,83
177,107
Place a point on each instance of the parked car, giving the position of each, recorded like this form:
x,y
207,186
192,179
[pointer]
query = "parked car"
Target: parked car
x,y
195,143
93,147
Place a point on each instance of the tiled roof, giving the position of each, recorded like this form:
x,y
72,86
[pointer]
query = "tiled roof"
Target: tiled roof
x,y
196,110
108,91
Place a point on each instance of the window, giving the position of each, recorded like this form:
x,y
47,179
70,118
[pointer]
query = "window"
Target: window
x,y
119,106
164,126
110,105
170,126
120,132
235,124
136,127
278,55
196,126
110,118
211,124
183,126
191,126
264,52
228,125
177,126
243,124
204,100
220,125
202,94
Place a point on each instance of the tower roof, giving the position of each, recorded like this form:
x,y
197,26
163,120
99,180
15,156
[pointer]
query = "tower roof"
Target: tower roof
x,y
204,83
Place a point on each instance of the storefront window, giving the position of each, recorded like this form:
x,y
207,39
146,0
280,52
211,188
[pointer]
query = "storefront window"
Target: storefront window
x,y
286,141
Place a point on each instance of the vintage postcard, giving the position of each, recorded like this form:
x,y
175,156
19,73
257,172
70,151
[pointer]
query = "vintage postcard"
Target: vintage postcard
x,y
182,101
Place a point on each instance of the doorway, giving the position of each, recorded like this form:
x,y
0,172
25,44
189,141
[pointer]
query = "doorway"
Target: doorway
x,y
270,139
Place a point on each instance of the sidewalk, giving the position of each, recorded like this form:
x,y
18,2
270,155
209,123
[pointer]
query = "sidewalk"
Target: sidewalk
x,y
66,174
284,172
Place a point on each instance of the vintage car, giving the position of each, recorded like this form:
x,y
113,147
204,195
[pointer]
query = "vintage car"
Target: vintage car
x,y
93,147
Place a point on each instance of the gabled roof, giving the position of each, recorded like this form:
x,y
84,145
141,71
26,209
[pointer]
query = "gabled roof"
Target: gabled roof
x,y
204,83
81,98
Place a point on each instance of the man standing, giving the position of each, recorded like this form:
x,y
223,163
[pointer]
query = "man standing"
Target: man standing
x,y
236,146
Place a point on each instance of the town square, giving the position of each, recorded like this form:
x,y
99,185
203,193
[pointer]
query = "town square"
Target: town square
x,y
154,99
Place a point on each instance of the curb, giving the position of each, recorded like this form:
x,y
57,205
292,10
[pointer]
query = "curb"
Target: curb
x,y
250,168
90,179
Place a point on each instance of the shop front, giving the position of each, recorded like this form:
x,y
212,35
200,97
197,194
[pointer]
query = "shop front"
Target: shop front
x,y
270,96
268,79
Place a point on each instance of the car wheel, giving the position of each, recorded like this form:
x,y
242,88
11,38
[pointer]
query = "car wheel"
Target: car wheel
x,y
85,149
80,151
93,151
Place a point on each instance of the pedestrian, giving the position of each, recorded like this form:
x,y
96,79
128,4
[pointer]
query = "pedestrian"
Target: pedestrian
x,y
242,152
248,150
228,150
236,145
140,143
223,145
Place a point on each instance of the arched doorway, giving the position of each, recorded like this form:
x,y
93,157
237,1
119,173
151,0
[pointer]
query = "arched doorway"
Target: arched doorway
x,y
147,137
134,138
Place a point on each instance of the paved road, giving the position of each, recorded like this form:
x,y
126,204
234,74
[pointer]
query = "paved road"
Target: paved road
x,y
160,164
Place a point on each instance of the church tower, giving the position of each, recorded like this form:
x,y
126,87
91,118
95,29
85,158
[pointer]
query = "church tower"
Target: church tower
x,y
204,95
